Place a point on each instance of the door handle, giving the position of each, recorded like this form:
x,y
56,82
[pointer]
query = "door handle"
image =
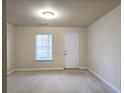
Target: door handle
x,y
65,52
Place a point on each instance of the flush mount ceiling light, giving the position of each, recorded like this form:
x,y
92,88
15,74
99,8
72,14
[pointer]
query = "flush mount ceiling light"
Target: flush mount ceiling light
x,y
47,14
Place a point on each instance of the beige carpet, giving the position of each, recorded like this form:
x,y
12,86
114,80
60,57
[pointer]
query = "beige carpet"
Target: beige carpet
x,y
62,81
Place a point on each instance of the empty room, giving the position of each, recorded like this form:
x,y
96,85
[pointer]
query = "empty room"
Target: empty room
x,y
63,46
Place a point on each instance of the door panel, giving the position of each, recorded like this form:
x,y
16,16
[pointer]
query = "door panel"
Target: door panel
x,y
71,50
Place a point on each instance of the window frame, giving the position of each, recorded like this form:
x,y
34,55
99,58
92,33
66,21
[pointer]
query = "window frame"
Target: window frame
x,y
35,47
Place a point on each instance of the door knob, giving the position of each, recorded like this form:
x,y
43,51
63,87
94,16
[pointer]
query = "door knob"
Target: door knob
x,y
65,53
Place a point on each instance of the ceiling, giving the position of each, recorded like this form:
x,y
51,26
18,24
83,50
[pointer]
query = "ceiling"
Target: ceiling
x,y
71,13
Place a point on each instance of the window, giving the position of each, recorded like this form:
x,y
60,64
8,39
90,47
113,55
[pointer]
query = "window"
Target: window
x,y
43,47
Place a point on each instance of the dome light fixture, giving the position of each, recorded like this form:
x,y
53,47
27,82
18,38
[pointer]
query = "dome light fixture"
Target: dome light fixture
x,y
48,14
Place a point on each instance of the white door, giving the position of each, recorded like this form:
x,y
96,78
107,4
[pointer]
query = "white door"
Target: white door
x,y
71,50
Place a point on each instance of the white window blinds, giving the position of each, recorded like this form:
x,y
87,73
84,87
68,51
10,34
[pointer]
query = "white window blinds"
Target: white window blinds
x,y
43,47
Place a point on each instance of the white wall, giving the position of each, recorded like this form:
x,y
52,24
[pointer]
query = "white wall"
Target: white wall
x,y
10,47
25,46
104,47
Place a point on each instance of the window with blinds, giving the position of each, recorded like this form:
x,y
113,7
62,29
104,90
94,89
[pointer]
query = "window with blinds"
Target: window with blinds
x,y
43,47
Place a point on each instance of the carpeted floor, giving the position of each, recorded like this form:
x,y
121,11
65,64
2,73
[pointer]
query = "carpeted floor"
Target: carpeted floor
x,y
61,81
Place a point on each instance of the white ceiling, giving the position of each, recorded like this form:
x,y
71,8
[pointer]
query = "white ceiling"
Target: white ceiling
x,y
71,13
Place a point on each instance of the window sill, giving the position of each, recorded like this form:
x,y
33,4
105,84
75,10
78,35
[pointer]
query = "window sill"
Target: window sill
x,y
42,60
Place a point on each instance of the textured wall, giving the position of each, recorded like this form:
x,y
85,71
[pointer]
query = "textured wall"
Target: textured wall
x,y
104,47
25,46
10,47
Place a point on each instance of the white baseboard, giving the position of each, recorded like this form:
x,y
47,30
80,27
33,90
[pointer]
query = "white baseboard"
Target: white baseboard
x,y
109,84
10,72
35,69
